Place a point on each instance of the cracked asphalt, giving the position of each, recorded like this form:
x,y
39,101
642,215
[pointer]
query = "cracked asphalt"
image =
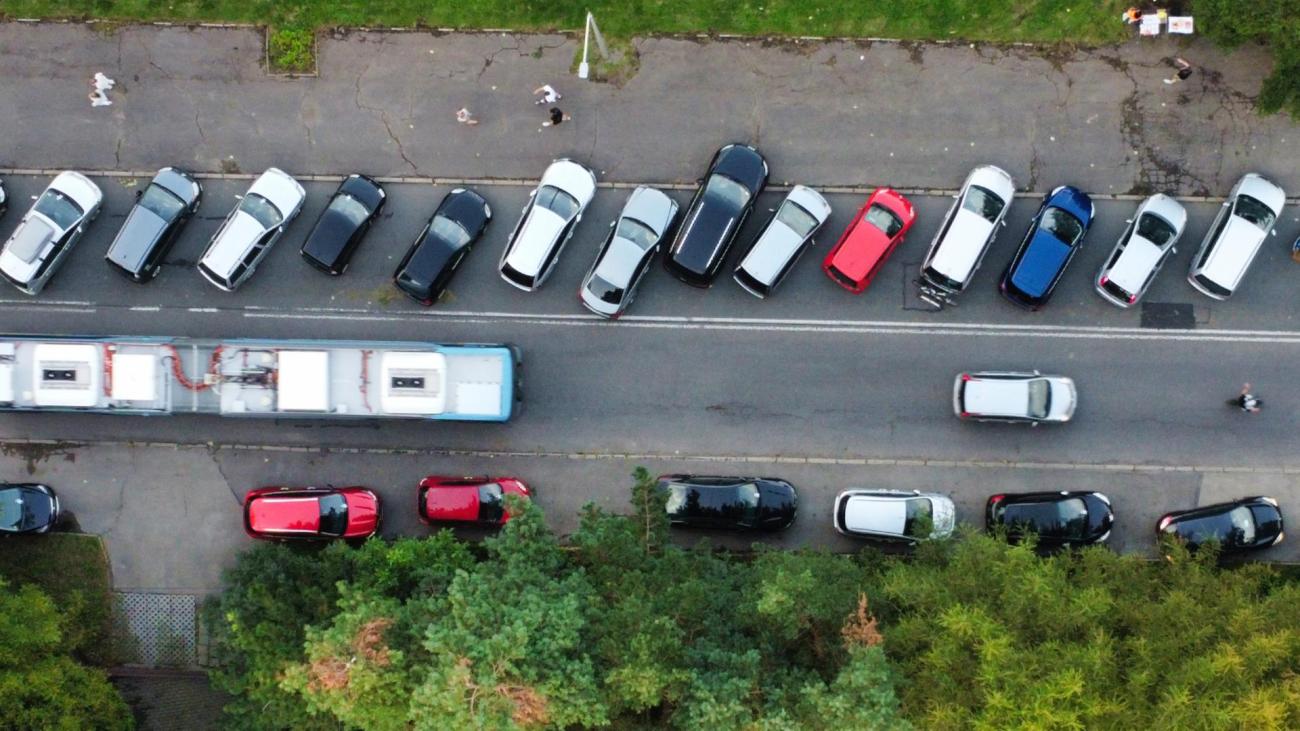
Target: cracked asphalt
x,y
833,113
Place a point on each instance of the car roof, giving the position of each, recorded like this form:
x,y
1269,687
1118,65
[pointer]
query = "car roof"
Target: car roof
x,y
1130,270
539,234
651,207
1233,252
178,183
280,189
452,502
962,245
571,178
778,241
285,514
1002,396
876,513
236,239
619,262
1041,263
1263,190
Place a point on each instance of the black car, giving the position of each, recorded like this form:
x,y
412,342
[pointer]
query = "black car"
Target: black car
x,y
4,203
343,223
442,245
736,176
27,508
160,212
1242,525
1057,518
733,503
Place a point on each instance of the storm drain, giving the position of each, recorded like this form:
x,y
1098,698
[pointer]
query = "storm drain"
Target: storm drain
x,y
164,626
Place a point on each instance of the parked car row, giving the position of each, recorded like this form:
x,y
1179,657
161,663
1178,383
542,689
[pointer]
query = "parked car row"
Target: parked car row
x,y
697,246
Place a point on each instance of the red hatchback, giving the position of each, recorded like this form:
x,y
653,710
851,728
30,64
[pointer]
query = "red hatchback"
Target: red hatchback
x,y
876,230
311,513
467,500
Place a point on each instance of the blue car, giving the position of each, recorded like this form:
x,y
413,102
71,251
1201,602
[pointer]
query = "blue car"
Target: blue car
x,y
1054,237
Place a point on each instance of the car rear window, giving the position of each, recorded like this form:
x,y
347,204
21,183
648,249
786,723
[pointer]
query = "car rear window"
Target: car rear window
x,y
1115,289
749,281
516,276
984,202
884,219
605,291
841,277
1212,286
491,503
932,275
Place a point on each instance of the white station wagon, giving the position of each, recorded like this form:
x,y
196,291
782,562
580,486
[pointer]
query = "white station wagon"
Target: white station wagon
x,y
1023,397
1141,250
48,231
547,222
958,248
894,515
1235,236
245,237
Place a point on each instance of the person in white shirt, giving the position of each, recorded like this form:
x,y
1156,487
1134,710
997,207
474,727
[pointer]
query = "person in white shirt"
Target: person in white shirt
x,y
548,94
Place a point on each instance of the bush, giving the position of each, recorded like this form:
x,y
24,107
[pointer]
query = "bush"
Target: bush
x,y
291,50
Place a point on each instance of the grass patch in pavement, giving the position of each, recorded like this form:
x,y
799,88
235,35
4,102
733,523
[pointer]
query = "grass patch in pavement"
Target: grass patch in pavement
x,y
1043,21
73,569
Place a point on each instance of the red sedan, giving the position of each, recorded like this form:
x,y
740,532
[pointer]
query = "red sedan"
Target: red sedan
x,y
311,513
875,232
467,500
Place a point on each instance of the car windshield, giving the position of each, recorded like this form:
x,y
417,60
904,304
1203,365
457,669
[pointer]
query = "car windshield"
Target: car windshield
x,y
491,503
333,515
636,232
557,201
800,221
59,208
448,230
606,291
162,202
1040,398
884,219
919,522
1155,229
726,191
350,208
983,202
1255,212
1062,225
261,210
12,509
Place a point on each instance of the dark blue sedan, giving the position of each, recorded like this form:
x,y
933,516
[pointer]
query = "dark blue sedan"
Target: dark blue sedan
x,y
1054,237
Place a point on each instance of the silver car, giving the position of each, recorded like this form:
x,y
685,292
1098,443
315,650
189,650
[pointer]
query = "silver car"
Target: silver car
x,y
1141,251
894,515
1014,396
46,235
782,241
546,224
1232,242
272,202
610,284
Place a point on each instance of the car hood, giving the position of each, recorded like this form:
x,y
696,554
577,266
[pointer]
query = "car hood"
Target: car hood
x,y
1064,399
536,239
961,249
138,234
571,178
363,514
1041,264
281,190
619,262
1262,190
705,234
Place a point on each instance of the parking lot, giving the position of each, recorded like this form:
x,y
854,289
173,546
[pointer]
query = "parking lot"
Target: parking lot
x,y
814,384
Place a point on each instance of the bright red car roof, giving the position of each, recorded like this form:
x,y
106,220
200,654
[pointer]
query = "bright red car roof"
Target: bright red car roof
x,y
451,502
863,243
272,514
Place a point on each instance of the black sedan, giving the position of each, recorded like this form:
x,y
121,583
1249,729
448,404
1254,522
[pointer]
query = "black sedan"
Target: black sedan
x,y
160,212
732,503
1058,518
343,223
429,264
736,176
1242,525
27,508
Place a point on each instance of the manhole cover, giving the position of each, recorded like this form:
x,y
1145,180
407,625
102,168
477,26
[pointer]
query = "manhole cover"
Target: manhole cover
x,y
1168,316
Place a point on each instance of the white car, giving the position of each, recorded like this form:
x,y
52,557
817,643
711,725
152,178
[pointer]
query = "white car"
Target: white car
x,y
1235,236
48,232
610,284
782,241
970,225
1141,250
894,515
272,201
547,222
1013,396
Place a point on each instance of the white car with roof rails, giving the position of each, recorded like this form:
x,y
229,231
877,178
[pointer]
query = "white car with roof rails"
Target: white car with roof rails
x,y
1141,250
1026,397
46,234
625,257
245,237
969,227
546,224
785,238
1234,238
894,515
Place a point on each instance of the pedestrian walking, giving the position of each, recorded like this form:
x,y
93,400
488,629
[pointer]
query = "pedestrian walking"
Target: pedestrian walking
x,y
1132,16
557,117
99,86
548,95
98,98
464,117
1184,71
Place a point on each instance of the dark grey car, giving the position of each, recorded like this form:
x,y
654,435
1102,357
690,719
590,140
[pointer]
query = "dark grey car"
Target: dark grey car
x,y
160,212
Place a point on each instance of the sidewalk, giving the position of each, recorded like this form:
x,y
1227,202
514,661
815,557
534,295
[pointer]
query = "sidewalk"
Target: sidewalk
x,y
909,115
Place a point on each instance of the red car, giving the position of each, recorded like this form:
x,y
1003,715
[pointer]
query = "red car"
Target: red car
x,y
467,500
311,513
876,230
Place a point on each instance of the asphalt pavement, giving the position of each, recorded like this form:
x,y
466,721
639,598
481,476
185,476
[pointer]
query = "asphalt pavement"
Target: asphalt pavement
x,y
814,384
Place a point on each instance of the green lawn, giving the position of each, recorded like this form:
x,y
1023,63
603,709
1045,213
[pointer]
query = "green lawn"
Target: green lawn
x,y
73,569
1051,21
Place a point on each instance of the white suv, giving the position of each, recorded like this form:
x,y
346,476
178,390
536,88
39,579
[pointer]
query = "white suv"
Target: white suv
x,y
965,234
1235,236
1141,250
1013,396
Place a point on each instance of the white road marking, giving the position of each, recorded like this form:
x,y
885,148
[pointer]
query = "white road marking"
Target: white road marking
x,y
146,308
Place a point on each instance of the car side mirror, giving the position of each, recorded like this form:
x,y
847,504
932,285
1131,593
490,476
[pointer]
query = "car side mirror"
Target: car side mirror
x,y
139,193
1173,249
1273,232
611,223
1128,220
33,197
239,197
532,193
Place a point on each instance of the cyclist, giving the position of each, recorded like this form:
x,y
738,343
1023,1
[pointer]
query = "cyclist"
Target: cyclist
x,y
1248,402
